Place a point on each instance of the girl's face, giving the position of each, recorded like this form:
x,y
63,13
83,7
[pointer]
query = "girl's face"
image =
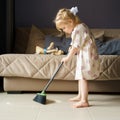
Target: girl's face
x,y
67,28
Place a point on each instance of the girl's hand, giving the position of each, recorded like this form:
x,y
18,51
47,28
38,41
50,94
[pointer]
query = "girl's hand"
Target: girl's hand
x,y
69,55
69,48
65,59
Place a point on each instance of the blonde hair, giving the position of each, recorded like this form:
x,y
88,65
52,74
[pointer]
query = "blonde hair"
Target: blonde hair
x,y
63,16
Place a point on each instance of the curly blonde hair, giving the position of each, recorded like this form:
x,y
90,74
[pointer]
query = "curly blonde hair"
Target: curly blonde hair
x,y
63,16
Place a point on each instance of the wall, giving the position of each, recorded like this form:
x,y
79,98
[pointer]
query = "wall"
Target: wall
x,y
95,13
2,33
2,25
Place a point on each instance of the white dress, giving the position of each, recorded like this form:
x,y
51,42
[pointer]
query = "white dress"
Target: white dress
x,y
88,63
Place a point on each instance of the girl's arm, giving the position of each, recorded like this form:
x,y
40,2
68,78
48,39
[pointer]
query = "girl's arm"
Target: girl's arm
x,y
72,52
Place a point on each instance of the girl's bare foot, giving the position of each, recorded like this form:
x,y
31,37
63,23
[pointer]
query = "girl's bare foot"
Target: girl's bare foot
x,y
80,104
75,99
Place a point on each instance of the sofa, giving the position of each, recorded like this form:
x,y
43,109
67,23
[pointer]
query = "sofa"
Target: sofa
x,y
23,70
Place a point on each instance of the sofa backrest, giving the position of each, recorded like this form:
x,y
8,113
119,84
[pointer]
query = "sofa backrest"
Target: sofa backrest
x,y
22,35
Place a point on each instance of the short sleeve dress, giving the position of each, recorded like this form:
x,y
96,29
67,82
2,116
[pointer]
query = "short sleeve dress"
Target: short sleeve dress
x,y
88,63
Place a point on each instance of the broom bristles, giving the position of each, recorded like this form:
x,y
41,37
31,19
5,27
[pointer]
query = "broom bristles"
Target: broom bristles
x,y
40,99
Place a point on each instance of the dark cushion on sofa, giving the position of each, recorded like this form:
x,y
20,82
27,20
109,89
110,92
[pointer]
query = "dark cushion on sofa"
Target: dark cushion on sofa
x,y
61,43
111,47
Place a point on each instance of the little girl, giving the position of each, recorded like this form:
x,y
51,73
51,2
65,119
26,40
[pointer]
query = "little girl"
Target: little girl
x,y
83,45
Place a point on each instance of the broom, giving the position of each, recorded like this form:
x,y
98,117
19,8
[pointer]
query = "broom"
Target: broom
x,y
41,97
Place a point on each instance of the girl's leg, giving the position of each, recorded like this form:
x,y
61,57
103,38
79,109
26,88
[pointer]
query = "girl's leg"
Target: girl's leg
x,y
84,95
78,97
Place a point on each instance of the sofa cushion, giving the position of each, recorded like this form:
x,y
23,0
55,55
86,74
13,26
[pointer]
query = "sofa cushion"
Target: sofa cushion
x,y
43,66
36,38
98,34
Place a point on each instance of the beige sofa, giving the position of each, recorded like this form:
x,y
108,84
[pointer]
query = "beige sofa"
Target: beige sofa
x,y
25,71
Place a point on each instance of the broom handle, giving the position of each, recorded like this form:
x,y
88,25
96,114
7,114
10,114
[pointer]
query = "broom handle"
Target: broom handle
x,y
47,85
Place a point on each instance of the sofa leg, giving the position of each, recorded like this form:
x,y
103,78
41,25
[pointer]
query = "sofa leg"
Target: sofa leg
x,y
14,92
